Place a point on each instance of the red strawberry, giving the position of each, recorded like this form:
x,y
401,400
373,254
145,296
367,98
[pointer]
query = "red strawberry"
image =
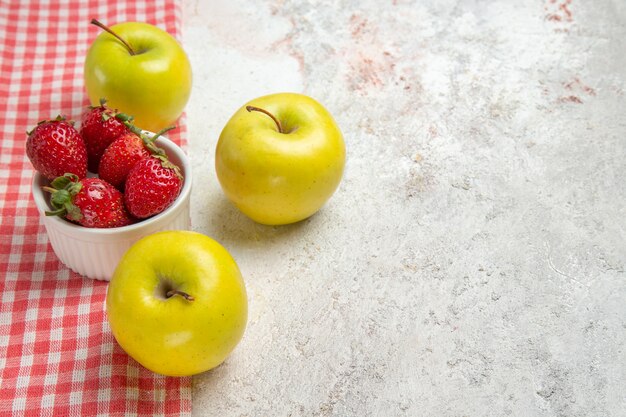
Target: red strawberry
x,y
120,157
99,127
55,147
90,202
152,185
125,151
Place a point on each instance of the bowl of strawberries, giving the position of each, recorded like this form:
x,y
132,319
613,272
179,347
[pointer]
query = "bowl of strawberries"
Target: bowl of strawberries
x,y
104,186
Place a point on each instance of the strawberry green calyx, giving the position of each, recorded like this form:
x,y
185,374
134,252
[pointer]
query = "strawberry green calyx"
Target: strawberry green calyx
x,y
149,142
128,123
67,181
123,117
161,156
165,163
62,192
59,118
103,102
108,113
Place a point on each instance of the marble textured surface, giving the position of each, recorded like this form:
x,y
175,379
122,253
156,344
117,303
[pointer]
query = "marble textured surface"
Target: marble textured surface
x,y
472,261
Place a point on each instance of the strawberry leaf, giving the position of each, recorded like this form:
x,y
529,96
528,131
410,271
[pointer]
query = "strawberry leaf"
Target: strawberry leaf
x,y
74,188
166,163
59,198
57,212
60,183
63,190
73,212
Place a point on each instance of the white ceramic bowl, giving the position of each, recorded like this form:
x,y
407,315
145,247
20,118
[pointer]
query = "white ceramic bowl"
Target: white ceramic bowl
x,y
95,253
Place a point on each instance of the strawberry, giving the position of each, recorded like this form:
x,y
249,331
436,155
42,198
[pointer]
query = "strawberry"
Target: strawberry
x,y
55,147
120,157
125,151
152,185
90,202
99,127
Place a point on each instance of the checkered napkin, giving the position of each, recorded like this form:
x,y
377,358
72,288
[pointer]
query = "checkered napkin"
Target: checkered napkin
x,y
57,354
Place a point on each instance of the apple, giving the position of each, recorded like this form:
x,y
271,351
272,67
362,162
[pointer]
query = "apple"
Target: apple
x,y
140,70
177,303
280,157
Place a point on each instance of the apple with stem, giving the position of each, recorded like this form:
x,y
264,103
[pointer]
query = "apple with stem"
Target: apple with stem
x,y
177,303
140,70
280,157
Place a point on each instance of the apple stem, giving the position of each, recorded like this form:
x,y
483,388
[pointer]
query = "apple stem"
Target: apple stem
x,y
280,127
106,28
183,294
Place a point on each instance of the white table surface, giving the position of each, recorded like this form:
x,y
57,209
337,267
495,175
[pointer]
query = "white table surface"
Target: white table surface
x,y
472,261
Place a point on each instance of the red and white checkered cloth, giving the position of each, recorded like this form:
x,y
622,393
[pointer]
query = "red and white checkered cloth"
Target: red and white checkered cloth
x,y
57,354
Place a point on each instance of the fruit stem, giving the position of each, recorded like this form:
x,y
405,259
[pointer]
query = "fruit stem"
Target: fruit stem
x,y
106,28
252,108
150,143
57,212
183,294
162,131
137,131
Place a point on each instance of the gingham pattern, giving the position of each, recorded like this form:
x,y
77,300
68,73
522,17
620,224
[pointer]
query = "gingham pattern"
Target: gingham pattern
x,y
57,354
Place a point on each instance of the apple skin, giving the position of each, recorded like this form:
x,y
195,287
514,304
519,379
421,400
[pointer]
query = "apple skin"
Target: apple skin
x,y
153,85
173,336
280,178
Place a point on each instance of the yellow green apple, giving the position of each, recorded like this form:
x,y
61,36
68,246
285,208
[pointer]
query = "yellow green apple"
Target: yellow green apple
x,y
140,70
177,303
280,157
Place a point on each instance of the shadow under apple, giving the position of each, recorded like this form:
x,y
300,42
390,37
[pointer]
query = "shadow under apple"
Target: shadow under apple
x,y
229,226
